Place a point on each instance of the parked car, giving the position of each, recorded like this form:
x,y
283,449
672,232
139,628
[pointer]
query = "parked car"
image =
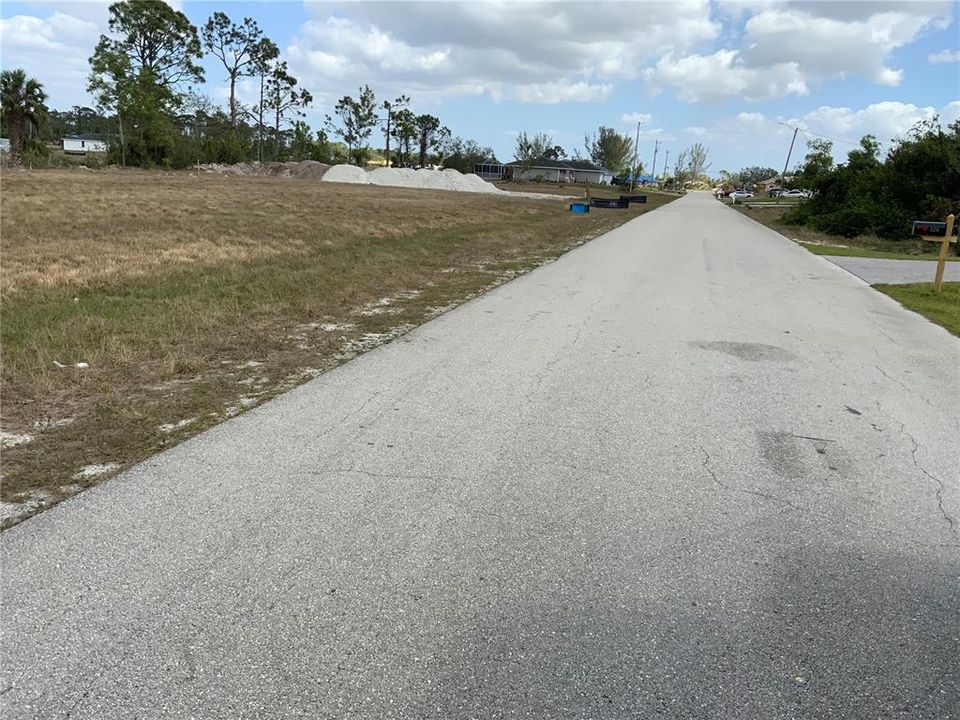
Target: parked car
x,y
795,194
740,195
619,181
773,192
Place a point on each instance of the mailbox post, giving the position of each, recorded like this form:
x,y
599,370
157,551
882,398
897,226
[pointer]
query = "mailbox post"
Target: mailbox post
x,y
941,232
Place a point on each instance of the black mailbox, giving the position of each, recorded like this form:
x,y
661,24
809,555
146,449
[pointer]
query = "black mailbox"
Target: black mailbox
x,y
930,228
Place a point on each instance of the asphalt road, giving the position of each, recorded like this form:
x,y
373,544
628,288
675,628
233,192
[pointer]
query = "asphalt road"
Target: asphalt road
x,y
689,470
880,270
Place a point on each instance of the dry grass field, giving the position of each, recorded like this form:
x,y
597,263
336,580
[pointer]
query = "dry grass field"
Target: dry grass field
x,y
187,299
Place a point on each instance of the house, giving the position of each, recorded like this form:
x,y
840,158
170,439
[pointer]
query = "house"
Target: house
x,y
550,170
586,172
543,169
490,169
83,143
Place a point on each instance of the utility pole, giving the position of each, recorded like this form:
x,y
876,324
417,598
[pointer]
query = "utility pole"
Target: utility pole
x,y
653,172
783,175
666,164
633,170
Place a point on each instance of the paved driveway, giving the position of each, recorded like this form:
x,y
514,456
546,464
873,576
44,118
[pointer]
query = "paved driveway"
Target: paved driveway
x,y
880,270
689,470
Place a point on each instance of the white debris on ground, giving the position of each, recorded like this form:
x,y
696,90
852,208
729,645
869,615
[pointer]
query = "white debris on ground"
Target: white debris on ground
x,y
170,427
386,306
8,439
253,381
37,500
92,471
242,404
48,423
368,341
334,327
249,364
79,365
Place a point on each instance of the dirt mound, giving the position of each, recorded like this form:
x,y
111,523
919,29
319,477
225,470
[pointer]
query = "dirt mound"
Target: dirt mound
x,y
303,170
308,170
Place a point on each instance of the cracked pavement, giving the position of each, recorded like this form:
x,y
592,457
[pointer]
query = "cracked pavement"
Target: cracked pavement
x,y
689,470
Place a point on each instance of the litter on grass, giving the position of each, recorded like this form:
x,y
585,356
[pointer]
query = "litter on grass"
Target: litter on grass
x,y
170,427
8,439
92,471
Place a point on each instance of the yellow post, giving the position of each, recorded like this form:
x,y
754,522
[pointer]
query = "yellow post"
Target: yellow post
x,y
942,258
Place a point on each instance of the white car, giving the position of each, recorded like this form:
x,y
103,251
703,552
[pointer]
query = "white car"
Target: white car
x,y
795,194
740,195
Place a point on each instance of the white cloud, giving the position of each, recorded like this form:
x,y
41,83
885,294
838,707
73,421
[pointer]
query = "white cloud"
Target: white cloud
x,y
722,75
695,130
53,50
830,47
886,120
636,117
945,56
552,93
536,52
950,113
788,47
757,139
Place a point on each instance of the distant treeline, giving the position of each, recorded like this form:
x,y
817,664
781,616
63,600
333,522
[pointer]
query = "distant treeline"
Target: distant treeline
x,y
882,194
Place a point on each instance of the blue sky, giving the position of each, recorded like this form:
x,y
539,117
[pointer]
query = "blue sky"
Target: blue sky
x,y
724,73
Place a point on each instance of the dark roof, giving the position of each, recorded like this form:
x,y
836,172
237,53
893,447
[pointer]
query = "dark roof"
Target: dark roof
x,y
544,163
84,136
587,165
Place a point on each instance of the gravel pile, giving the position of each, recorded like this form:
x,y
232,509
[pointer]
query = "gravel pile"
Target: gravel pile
x,y
448,179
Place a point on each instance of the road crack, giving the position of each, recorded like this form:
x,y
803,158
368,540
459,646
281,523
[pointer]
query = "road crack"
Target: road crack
x,y
814,513
938,483
730,488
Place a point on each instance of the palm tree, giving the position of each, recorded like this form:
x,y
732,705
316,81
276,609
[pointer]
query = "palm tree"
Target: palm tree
x,y
22,104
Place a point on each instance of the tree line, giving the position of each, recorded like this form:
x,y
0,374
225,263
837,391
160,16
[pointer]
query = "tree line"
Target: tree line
x,y
877,193
615,152
143,77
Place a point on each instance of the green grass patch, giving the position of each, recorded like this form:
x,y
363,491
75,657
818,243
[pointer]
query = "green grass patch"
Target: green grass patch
x,y
852,251
942,307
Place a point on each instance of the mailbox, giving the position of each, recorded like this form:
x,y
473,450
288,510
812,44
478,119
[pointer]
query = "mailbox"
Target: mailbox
x,y
930,228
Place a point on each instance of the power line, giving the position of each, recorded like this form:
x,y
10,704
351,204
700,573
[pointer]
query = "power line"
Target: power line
x,y
807,132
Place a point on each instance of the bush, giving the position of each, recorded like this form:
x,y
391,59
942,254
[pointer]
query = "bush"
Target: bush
x,y
918,179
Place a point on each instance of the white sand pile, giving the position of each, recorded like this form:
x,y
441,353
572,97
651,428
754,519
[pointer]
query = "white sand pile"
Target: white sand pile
x,y
346,174
391,177
449,179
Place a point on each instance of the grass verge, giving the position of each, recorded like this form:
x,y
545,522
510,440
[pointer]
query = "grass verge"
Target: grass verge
x,y
821,243
188,299
942,307
852,251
